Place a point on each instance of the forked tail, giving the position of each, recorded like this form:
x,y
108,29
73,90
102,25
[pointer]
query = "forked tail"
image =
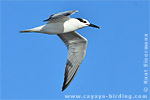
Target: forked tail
x,y
25,31
36,29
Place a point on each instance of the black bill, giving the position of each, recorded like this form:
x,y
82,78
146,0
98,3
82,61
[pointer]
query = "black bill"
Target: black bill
x,y
92,25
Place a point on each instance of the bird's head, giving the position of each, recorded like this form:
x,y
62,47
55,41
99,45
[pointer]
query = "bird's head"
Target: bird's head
x,y
85,23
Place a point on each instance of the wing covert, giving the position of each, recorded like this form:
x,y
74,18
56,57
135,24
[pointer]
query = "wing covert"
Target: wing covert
x,y
60,16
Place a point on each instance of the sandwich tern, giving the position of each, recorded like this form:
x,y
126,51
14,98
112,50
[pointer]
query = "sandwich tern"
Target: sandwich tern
x,y
65,28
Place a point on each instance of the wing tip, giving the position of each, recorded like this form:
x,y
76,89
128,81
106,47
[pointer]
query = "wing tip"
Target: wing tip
x,y
63,88
76,11
65,85
46,20
65,79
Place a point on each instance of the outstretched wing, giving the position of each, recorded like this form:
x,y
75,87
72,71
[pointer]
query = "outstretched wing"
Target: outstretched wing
x,y
61,16
76,45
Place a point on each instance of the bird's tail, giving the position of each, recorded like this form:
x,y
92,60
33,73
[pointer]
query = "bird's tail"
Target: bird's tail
x,y
36,29
25,31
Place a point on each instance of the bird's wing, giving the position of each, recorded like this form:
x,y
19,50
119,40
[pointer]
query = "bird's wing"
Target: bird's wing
x,y
76,45
62,16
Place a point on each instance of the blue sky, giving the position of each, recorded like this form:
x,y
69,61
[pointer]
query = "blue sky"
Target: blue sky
x,y
33,64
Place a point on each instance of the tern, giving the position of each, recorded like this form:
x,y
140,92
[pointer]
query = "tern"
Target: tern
x,y
65,28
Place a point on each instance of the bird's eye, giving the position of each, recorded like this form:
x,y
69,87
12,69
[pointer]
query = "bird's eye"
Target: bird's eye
x,y
84,21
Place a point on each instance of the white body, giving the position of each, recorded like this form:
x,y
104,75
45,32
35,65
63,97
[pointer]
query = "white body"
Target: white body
x,y
59,27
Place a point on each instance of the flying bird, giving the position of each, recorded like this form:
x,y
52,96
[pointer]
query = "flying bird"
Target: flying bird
x,y
65,28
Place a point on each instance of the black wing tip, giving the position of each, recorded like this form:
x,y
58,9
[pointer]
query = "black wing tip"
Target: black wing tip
x,y
45,20
63,88
65,79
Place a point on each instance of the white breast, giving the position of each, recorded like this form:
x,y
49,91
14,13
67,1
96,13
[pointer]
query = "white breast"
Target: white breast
x,y
71,25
